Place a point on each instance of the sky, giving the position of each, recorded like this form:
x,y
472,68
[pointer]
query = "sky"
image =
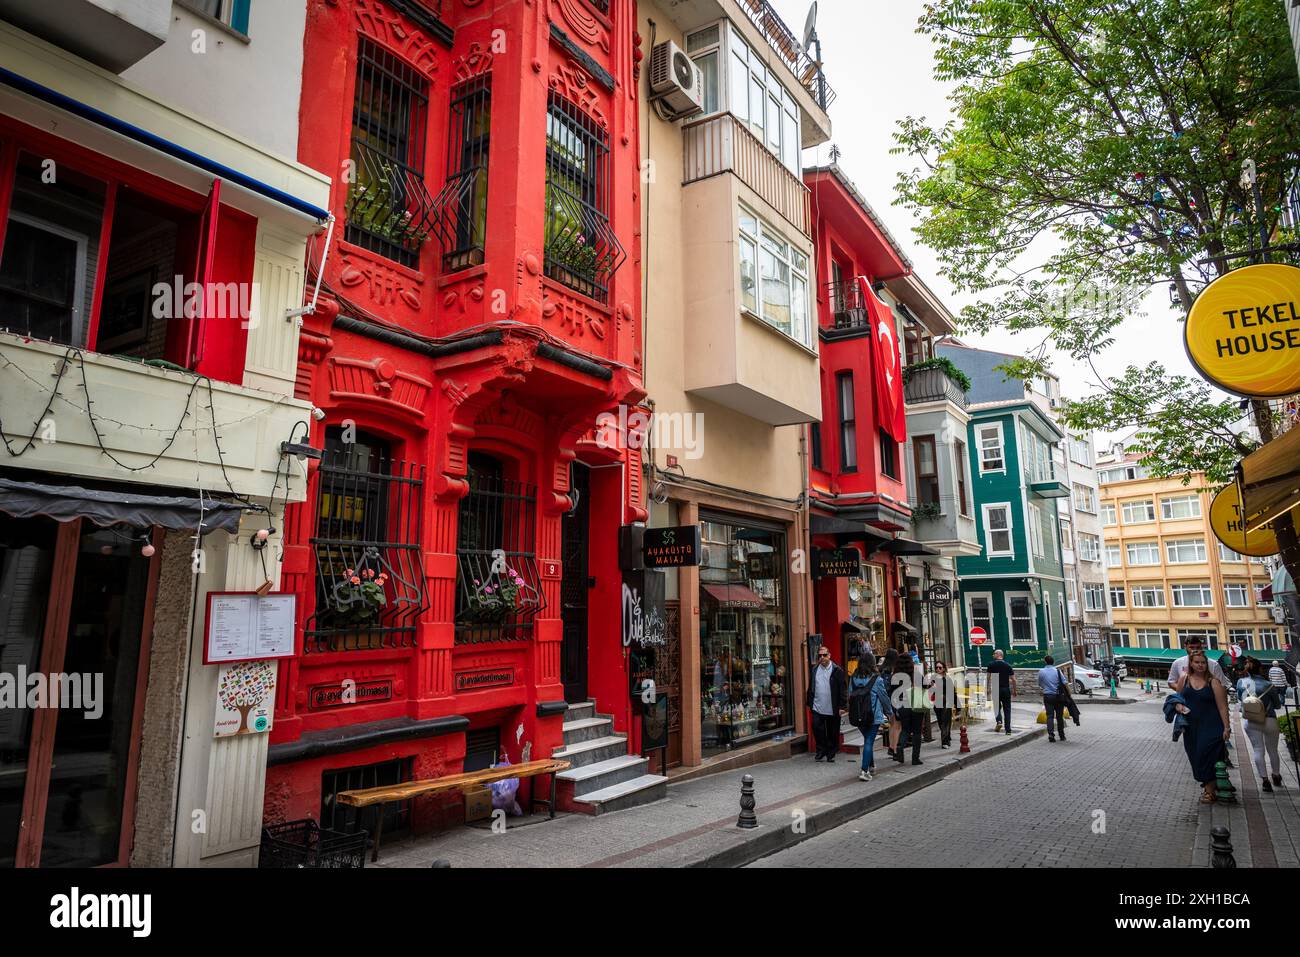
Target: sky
x,y
882,71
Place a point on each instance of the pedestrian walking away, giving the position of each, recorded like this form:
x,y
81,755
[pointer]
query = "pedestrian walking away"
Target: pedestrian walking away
x,y
1205,705
1259,702
894,727
1002,681
826,700
1052,686
911,702
943,693
868,708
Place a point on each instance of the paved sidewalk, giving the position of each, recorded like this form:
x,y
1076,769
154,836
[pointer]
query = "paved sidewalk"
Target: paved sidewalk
x,y
696,824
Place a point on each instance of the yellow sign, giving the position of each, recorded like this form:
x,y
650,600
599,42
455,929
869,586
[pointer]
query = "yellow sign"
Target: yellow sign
x,y
1225,519
1243,333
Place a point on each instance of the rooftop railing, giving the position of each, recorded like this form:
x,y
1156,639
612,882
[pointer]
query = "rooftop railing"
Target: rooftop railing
x,y
787,45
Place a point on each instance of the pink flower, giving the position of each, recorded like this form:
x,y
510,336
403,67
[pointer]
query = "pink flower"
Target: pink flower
x,y
356,580
348,572
477,582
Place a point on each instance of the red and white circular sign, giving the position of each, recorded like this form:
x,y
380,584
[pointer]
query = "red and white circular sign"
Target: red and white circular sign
x,y
978,636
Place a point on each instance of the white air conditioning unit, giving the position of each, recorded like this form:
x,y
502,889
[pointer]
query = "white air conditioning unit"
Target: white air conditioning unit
x,y
675,81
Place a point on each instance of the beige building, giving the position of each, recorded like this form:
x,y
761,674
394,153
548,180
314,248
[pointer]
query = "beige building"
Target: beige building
x,y
731,361
1169,577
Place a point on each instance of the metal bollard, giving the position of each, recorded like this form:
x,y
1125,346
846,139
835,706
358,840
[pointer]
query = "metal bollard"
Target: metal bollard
x,y
1221,847
441,862
747,816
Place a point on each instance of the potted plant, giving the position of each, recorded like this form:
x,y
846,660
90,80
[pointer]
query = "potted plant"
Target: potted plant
x,y
359,597
495,600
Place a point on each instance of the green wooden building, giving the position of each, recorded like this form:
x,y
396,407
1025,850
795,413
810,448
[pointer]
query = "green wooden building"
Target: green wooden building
x,y
1015,589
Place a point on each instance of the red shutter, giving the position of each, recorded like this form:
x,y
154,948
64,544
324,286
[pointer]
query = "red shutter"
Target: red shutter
x,y
207,247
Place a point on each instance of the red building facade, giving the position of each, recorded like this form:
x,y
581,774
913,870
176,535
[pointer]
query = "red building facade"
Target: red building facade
x,y
456,560
857,484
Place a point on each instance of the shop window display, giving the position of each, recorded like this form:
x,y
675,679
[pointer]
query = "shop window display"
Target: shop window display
x,y
744,635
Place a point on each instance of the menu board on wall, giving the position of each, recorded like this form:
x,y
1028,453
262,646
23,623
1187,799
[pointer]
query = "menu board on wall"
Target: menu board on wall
x,y
245,626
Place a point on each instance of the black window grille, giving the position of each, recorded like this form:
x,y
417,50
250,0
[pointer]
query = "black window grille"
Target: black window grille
x,y
369,508
389,209
348,819
499,590
581,250
462,204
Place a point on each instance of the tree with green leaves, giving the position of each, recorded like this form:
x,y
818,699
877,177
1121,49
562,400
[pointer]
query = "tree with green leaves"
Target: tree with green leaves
x,y
1099,149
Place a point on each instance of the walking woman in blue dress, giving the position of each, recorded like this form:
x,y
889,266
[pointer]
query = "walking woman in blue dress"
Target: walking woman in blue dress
x,y
1208,727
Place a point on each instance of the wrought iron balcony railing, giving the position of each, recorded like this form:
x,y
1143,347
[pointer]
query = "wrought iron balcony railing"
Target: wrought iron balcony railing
x,y
389,210
461,218
848,311
581,249
787,46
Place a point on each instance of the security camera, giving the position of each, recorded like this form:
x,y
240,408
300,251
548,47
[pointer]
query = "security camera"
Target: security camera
x,y
318,414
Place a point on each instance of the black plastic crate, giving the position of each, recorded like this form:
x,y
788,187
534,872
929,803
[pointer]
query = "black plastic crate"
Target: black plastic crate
x,y
306,844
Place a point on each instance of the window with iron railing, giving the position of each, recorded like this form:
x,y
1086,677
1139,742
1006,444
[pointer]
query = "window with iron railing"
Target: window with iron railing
x,y
499,589
369,507
581,250
462,203
389,209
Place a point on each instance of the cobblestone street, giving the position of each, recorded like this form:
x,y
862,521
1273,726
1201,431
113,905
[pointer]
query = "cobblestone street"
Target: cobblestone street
x,y
1035,806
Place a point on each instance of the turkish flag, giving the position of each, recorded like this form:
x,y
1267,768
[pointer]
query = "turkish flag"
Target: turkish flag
x,y
885,358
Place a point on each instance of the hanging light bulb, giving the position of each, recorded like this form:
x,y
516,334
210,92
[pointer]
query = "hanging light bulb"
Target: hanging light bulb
x,y
148,550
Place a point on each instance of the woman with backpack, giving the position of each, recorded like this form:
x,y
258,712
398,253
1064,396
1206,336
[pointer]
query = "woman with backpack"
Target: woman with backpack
x,y
1259,701
868,708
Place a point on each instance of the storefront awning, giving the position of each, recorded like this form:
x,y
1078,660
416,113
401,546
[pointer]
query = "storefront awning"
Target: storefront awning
x,y
63,503
1169,655
735,596
905,546
905,628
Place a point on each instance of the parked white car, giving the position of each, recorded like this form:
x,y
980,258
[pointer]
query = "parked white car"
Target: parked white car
x,y
1087,679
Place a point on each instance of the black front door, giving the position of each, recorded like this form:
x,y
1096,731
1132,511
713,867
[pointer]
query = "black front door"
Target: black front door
x,y
573,588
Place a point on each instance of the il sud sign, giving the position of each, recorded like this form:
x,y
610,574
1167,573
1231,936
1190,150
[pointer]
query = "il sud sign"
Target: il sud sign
x,y
1243,333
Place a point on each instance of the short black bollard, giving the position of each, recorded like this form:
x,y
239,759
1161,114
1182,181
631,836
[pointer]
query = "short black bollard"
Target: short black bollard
x,y
1221,847
747,816
441,862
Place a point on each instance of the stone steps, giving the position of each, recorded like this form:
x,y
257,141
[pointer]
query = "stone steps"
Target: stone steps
x,y
603,776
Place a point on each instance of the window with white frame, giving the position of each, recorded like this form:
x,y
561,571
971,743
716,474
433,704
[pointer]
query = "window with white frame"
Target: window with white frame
x,y
1226,554
1067,532
1094,596
1174,507
1080,450
979,612
1143,553
997,530
1198,595
1152,637
1235,596
1036,530
773,278
1139,511
1149,596
1108,513
992,453
1239,637
1089,547
737,80
1117,597
1020,614
1185,551
1071,586
1085,498
1210,636
1113,558
1268,639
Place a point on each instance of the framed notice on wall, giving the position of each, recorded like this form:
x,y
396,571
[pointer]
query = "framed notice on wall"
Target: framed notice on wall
x,y
245,626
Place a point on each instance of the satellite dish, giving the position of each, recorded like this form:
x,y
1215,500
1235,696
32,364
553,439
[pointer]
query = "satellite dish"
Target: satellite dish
x,y
810,27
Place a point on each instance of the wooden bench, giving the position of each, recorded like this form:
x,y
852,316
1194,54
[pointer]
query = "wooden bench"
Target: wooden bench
x,y
466,782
